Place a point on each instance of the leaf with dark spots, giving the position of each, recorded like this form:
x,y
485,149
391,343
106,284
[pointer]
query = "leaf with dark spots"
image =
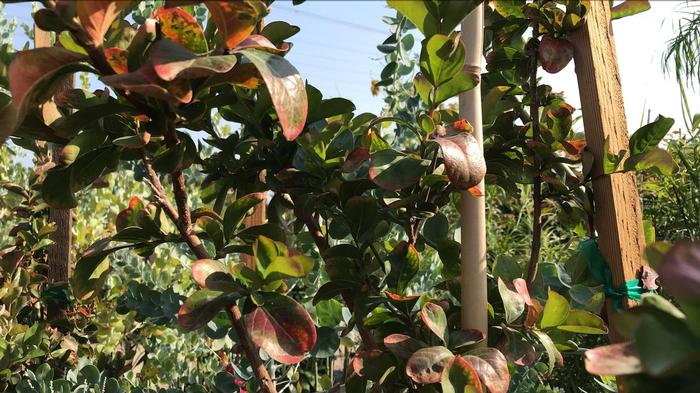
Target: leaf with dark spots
x,y
283,328
235,20
181,27
492,368
286,88
459,376
172,61
615,359
117,59
426,364
393,170
402,346
464,159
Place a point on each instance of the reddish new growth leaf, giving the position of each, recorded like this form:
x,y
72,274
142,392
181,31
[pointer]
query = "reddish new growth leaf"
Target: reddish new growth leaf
x,y
117,57
283,328
615,359
235,20
555,53
181,27
464,160
97,15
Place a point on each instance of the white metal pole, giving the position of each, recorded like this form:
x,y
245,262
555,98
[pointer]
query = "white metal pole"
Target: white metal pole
x,y
473,209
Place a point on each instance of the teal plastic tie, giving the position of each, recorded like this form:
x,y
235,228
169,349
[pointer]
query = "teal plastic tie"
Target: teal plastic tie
x,y
602,273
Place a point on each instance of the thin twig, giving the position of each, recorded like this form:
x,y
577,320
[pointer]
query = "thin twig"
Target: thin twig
x,y
537,183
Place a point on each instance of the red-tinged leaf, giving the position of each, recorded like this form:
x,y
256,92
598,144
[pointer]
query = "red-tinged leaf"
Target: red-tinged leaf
x,y
355,159
181,27
283,328
492,368
235,20
459,376
680,269
97,15
518,350
145,81
426,364
172,61
405,263
116,57
261,42
574,147
402,346
200,308
287,90
135,203
615,359
358,361
555,53
34,76
462,125
521,287
434,318
464,159
202,268
401,298
475,191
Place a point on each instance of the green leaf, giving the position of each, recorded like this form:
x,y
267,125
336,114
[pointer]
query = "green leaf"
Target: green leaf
x,y
513,303
83,118
405,262
296,266
423,88
361,214
200,308
327,343
279,31
214,275
181,27
507,268
441,58
459,376
556,310
283,328
553,355
650,135
329,312
91,270
81,143
491,367
580,321
510,8
334,288
56,189
418,12
90,166
434,318
463,81
426,364
286,88
628,8
265,250
652,159
393,170
665,344
236,212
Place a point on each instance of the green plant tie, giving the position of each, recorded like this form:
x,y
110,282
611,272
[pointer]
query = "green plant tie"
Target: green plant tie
x,y
602,273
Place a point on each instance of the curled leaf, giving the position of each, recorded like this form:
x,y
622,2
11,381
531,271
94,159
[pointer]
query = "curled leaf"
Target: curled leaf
x,y
464,159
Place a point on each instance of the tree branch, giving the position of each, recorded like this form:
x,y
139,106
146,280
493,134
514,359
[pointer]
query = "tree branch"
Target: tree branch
x,y
251,351
537,183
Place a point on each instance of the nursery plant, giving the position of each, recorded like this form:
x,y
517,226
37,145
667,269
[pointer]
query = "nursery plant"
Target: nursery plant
x,y
197,102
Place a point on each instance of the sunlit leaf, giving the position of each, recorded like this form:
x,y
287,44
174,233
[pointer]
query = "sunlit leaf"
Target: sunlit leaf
x,y
464,159
513,303
91,270
628,8
283,328
286,89
181,27
172,61
459,376
649,136
615,359
556,310
491,367
235,20
434,318
96,16
405,262
117,58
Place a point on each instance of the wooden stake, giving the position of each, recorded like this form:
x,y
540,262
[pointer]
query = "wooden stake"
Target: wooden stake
x,y
59,251
473,209
618,215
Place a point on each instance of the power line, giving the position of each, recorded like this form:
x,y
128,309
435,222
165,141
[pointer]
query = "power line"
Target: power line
x,y
328,19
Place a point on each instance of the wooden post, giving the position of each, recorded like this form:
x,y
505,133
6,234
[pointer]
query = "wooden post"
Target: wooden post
x,y
59,251
473,209
618,214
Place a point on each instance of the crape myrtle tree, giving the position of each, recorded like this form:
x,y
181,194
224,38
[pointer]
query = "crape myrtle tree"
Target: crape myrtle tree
x,y
349,213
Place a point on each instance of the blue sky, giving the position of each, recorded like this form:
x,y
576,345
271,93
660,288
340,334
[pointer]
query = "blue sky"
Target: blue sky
x,y
336,51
